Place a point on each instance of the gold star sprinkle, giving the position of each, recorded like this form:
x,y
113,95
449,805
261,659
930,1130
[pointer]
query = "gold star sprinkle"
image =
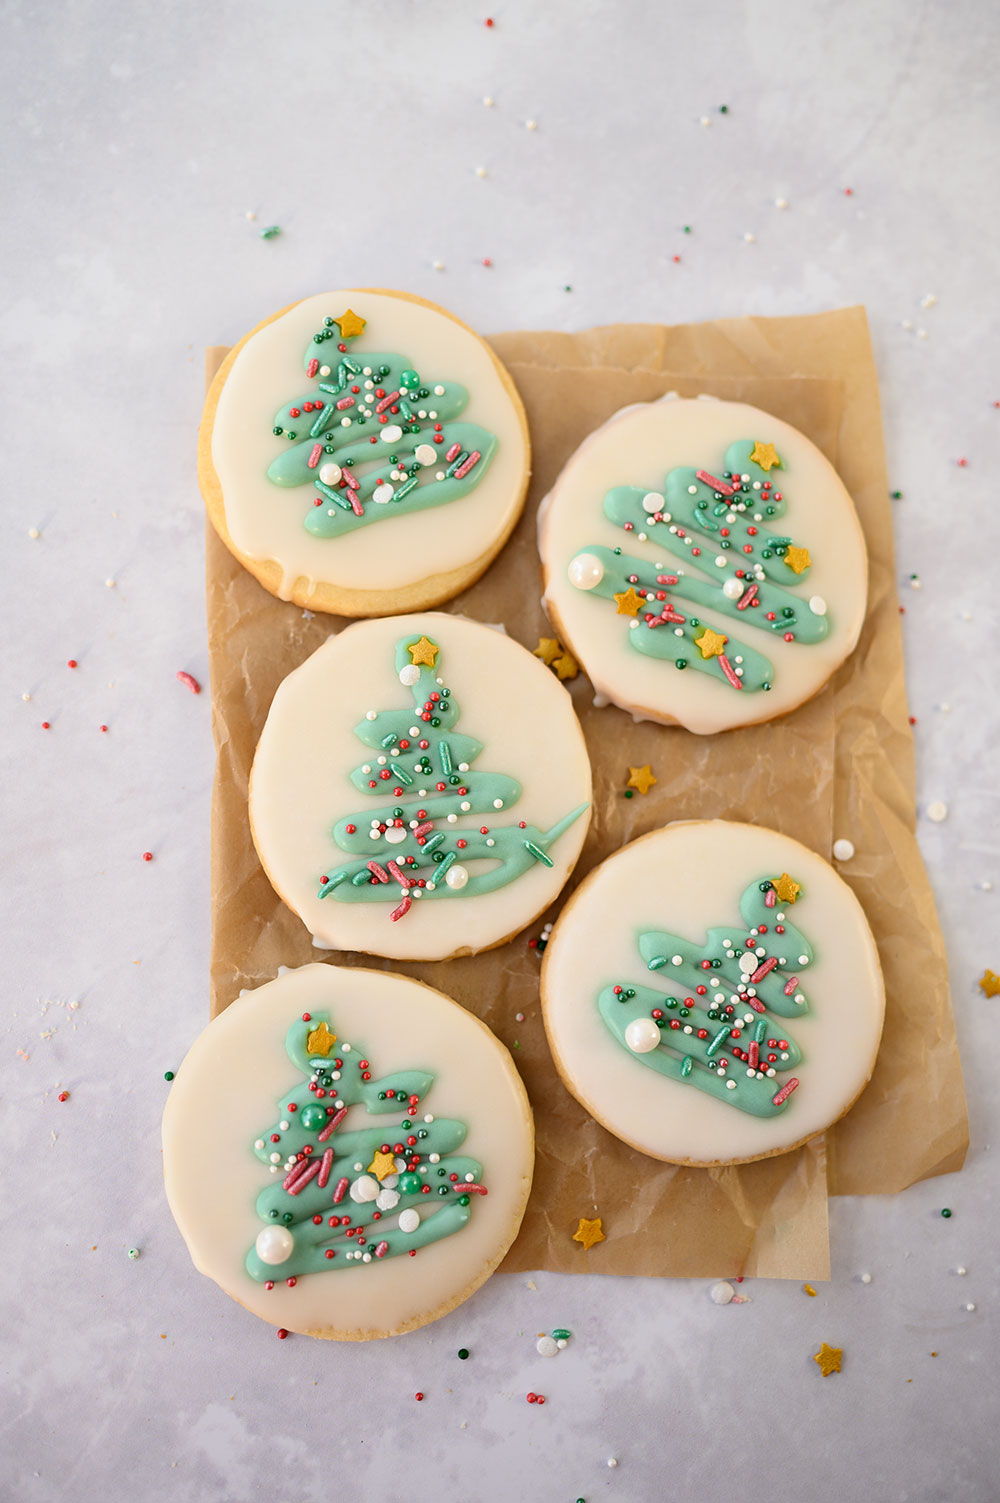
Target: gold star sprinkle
x,y
828,1358
566,666
382,1165
548,650
628,602
766,455
320,1040
711,643
350,325
588,1232
640,778
786,889
425,651
989,984
797,559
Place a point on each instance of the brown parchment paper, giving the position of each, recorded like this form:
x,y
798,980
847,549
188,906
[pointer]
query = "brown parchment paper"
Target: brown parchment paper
x,y
840,765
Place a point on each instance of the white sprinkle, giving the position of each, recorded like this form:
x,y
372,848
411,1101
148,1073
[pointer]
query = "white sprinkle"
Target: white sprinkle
x,y
781,203
921,333
843,850
907,323
437,265
480,171
110,583
970,1308
547,1346
928,301
705,121
961,1272
866,1278
749,238
612,1461
531,125
488,101
33,532
721,1293
25,696
937,811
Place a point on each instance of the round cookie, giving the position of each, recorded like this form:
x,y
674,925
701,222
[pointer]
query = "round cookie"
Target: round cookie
x,y
363,452
384,824
704,563
719,1049
303,1130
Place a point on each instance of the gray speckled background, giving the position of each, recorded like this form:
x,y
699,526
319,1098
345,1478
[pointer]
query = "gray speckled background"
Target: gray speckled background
x,y
137,138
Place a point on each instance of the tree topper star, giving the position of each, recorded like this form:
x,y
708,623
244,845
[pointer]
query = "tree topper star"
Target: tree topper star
x,y
350,325
766,455
589,1232
628,602
797,559
640,778
382,1165
828,1358
786,889
711,644
425,651
320,1040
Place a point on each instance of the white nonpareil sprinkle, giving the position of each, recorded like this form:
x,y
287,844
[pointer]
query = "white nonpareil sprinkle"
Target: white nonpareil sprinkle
x,y
480,171
843,850
721,1293
937,811
612,1461
866,1278
970,1307
749,237
33,532
781,203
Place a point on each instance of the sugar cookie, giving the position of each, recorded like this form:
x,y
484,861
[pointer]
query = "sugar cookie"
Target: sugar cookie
x,y
704,563
363,452
347,1153
384,824
717,1050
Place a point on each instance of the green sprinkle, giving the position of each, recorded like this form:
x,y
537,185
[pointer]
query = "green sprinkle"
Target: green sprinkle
x,y
680,662
332,882
718,1041
446,762
628,792
433,843
457,462
567,288
168,1074
133,1253
896,495
723,109
946,1213
401,773
271,233
404,490
361,878
657,962
538,853
447,862
331,495
561,1334
687,1064
323,421
686,228
463,1353
760,1031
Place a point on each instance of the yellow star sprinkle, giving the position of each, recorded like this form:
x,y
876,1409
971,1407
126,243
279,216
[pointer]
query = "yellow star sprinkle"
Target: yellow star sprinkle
x,y
589,1232
320,1040
628,602
786,889
640,778
566,666
350,325
766,455
548,650
989,984
382,1165
711,643
797,559
424,651
828,1358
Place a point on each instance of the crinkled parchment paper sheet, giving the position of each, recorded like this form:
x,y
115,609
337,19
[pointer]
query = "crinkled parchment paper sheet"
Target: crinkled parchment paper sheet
x,y
841,765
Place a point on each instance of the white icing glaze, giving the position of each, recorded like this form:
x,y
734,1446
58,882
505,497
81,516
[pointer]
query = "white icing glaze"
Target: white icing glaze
x,y
229,1086
637,447
265,520
300,784
685,879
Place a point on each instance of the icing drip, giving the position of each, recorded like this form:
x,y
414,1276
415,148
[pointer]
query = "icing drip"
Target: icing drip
x,y
372,436
415,845
717,1026
350,1195
718,524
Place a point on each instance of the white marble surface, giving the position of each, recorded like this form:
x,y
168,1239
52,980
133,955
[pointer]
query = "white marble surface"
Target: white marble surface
x,y
136,139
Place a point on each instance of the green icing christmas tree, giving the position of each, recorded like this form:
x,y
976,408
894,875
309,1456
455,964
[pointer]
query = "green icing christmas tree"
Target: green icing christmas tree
x,y
411,842
348,1194
719,526
373,439
719,1028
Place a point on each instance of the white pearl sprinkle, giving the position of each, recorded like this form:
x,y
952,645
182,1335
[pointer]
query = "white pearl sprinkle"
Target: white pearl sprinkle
x,y
781,203
480,171
937,811
866,1278
843,850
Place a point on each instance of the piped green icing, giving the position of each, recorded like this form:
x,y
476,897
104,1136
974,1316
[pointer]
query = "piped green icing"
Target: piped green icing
x,y
727,537
420,775
336,1080
389,479
735,1011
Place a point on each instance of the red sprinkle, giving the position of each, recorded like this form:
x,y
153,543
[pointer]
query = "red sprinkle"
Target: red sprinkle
x,y
102,728
189,682
46,725
147,855
418,1397
282,1333
63,1095
72,661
